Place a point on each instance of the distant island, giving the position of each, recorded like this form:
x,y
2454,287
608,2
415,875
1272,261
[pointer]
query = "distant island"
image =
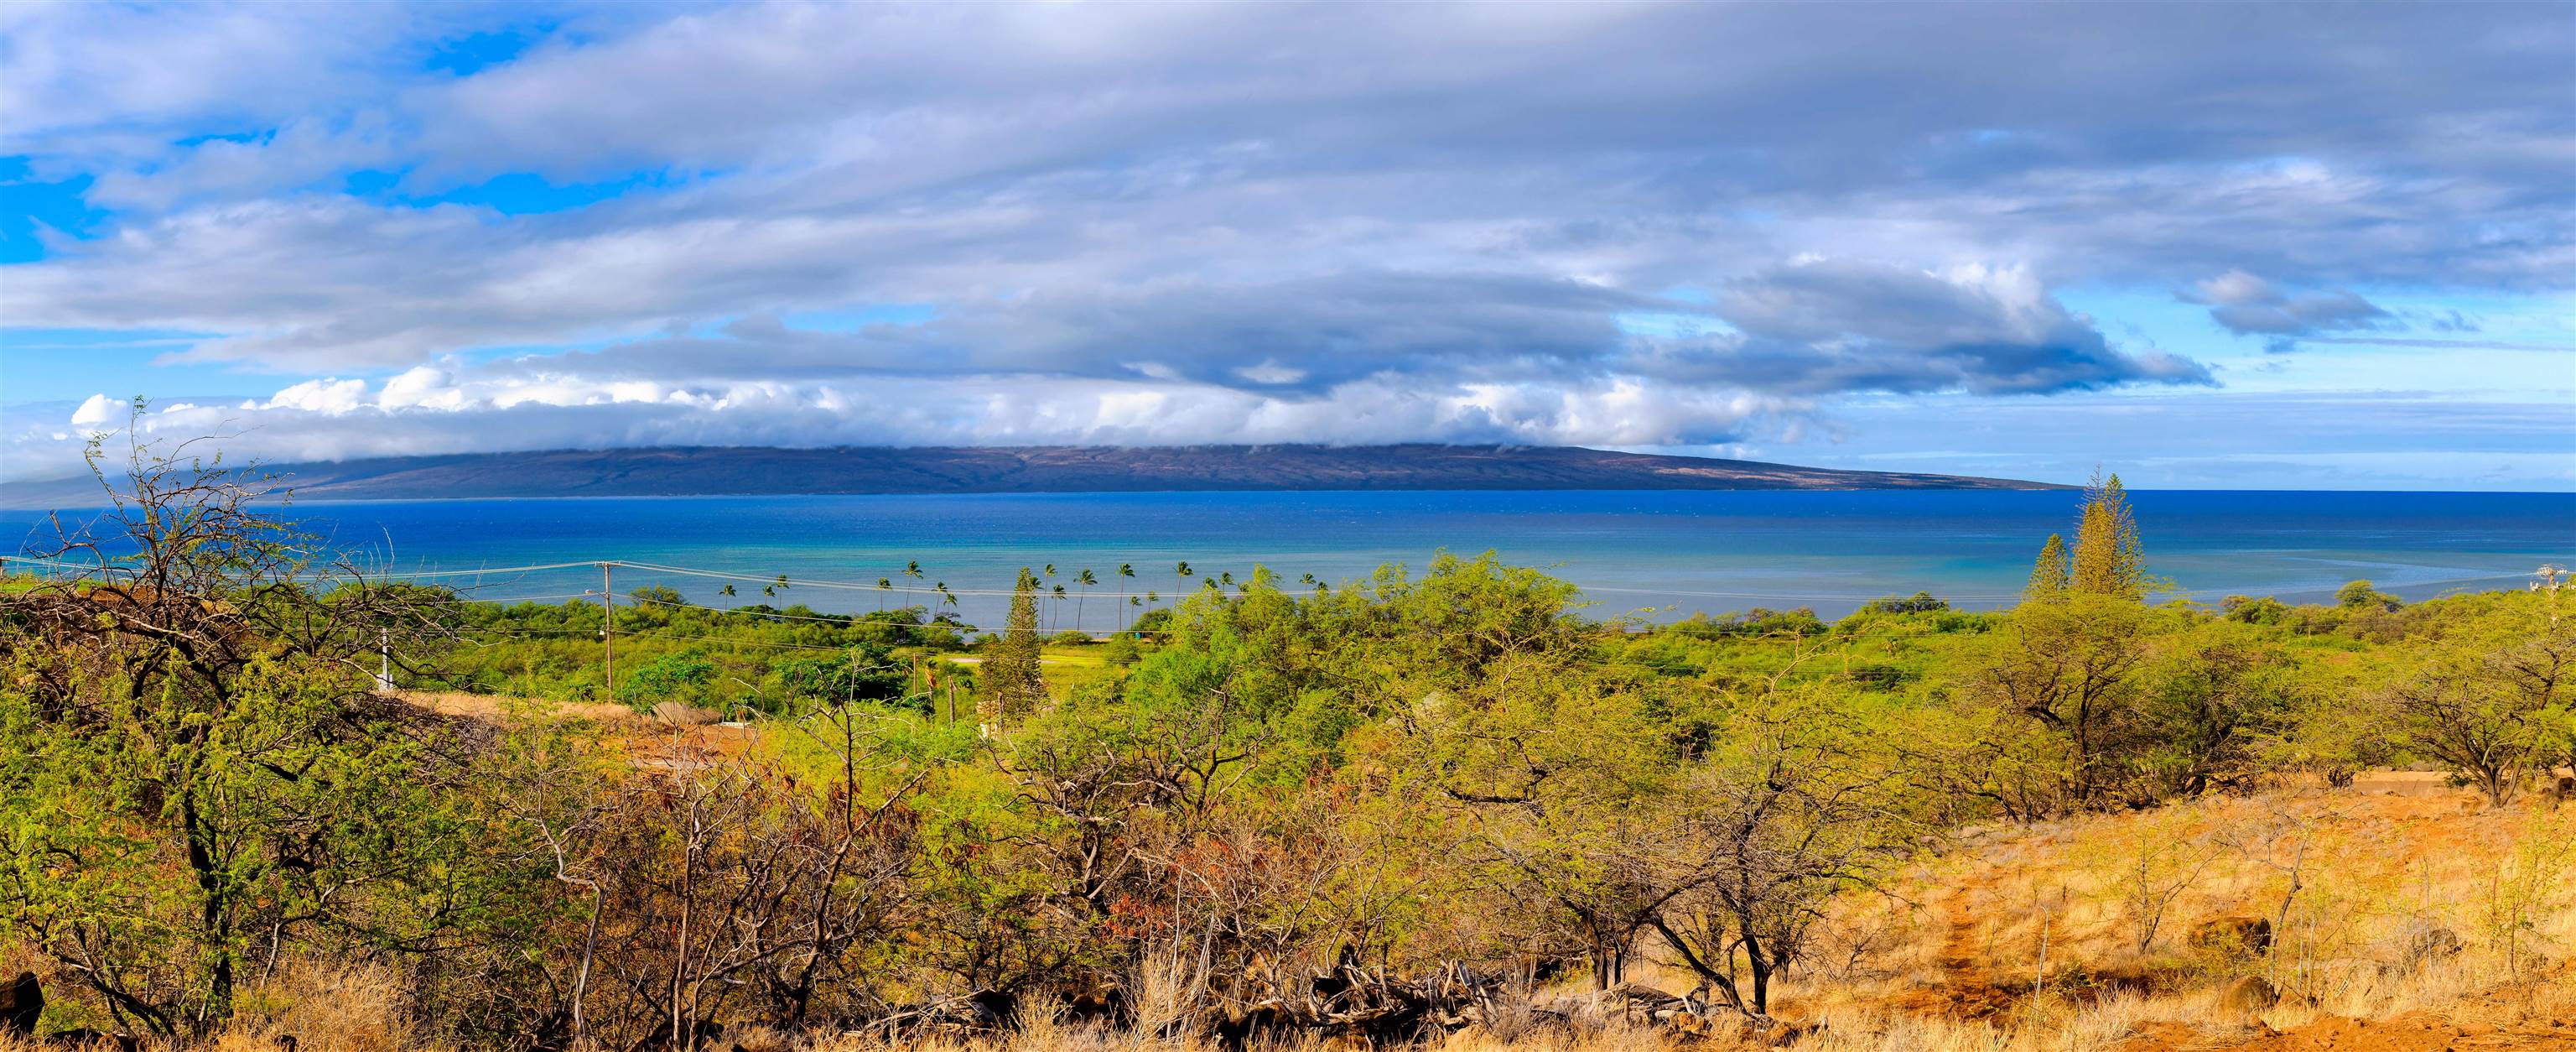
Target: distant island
x,y
710,471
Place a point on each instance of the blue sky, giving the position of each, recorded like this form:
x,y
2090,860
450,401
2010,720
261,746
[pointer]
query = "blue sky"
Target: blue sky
x,y
2207,246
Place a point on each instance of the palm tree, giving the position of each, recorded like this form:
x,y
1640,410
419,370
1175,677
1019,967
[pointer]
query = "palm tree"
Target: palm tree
x,y
911,572
1127,570
1086,581
1059,607
1181,572
883,586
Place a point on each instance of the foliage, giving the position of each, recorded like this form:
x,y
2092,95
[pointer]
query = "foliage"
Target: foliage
x,y
1918,603
2490,704
681,677
196,778
864,672
1790,812
1452,771
2359,595
2253,610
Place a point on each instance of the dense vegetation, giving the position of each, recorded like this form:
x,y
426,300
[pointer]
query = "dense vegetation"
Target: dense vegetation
x,y
1454,772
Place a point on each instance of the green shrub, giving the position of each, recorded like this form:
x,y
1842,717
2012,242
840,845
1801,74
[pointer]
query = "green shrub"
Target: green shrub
x,y
683,676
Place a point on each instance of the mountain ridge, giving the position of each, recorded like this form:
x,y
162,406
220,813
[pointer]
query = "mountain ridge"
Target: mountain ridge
x,y
754,470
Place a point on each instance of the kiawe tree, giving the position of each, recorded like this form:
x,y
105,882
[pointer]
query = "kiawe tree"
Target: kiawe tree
x,y
2493,708
198,778
1791,810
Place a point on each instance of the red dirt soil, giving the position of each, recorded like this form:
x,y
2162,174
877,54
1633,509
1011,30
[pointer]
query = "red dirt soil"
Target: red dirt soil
x,y
2412,1032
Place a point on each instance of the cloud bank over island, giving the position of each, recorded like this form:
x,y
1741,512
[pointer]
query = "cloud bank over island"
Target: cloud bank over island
x,y
384,230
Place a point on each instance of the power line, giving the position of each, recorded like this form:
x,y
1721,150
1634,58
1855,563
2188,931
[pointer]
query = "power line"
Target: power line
x,y
838,619
798,582
1783,597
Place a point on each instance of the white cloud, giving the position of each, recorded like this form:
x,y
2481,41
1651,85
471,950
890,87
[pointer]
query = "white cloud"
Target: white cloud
x,y
315,396
97,411
425,411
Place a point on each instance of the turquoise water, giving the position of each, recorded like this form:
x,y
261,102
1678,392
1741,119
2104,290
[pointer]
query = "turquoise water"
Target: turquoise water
x,y
1665,553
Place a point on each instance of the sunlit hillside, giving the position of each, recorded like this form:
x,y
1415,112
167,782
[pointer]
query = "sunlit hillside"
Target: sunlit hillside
x,y
2413,918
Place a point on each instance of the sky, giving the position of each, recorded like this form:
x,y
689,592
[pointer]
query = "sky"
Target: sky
x,y
2302,246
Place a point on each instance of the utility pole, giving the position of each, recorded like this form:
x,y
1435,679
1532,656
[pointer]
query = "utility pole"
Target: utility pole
x,y
608,626
385,661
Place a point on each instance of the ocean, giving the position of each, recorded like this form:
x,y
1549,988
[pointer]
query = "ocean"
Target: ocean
x,y
1659,555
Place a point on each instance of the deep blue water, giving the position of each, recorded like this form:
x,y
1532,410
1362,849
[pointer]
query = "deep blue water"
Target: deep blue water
x,y
1674,551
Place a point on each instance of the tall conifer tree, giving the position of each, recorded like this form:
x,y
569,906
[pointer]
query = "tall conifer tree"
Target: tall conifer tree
x,y
2048,575
2107,554
1012,686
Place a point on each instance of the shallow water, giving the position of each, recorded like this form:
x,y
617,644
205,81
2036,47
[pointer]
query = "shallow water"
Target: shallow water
x,y
1673,552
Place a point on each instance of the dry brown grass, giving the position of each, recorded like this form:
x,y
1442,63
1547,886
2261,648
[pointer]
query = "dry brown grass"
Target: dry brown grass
x,y
342,1009
2390,852
494,709
680,715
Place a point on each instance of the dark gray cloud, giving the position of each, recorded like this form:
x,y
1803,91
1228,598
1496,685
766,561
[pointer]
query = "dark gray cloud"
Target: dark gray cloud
x,y
1814,328
1835,326
2250,306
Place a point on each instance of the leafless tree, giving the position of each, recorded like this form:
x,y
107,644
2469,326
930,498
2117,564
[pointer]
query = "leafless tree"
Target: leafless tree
x,y
721,881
